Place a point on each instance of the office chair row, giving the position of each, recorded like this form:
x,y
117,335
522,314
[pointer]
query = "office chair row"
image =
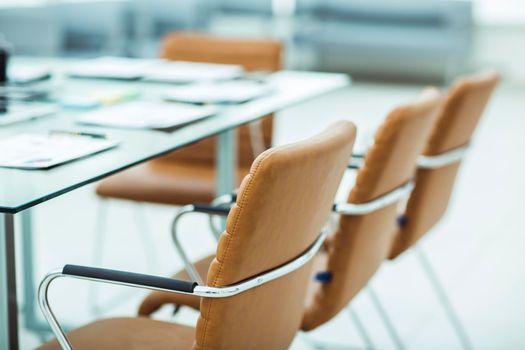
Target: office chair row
x,y
278,268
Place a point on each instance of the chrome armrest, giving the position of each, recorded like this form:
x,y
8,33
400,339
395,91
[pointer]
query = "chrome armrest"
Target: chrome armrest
x,y
192,208
424,162
376,204
443,159
93,274
163,284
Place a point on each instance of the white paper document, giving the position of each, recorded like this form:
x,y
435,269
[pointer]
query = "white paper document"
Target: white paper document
x,y
187,72
157,70
147,115
33,151
111,68
237,91
23,74
18,112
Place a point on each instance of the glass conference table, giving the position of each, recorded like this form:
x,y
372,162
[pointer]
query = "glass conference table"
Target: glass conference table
x,y
21,190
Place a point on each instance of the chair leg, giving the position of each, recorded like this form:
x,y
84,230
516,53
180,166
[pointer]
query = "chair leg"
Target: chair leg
x,y
443,298
394,335
363,333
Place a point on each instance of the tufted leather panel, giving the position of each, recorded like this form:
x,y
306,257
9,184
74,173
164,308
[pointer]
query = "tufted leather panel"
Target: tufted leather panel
x,y
282,206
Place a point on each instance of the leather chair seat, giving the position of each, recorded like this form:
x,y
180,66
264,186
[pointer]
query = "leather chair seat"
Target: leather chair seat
x,y
128,333
164,182
155,300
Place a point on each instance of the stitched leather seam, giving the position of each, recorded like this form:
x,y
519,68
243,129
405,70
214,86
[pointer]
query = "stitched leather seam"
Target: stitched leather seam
x,y
239,204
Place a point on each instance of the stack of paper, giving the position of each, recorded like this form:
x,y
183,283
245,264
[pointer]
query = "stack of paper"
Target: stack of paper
x,y
111,68
30,151
237,91
147,115
187,72
157,70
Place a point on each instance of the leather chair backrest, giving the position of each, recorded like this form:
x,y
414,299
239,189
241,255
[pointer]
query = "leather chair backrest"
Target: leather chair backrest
x,y
282,206
252,54
454,127
361,243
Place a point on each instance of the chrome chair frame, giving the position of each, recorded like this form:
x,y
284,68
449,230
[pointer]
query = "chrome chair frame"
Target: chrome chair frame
x,y
443,159
162,284
427,162
183,211
218,208
381,202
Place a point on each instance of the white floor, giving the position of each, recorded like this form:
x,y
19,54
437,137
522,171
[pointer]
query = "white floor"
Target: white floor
x,y
477,250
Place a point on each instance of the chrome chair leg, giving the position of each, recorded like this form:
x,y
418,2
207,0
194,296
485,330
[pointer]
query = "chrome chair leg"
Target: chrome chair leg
x,y
394,335
363,333
443,298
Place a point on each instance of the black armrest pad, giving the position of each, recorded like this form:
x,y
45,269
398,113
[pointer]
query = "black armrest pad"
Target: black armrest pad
x,y
210,209
130,277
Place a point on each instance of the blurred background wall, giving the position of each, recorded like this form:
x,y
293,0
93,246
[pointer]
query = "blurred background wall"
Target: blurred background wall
x,y
401,40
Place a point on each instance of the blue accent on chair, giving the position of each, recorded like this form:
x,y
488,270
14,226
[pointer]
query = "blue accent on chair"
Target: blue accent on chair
x,y
323,277
402,220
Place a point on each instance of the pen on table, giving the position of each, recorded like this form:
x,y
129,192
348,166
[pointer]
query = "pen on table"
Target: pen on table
x,y
78,133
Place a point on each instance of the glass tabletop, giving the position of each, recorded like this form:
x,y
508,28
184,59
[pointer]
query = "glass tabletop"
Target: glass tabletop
x,y
22,189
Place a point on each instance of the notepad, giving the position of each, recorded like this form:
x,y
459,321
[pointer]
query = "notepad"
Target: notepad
x,y
230,92
147,115
34,151
187,72
14,112
111,68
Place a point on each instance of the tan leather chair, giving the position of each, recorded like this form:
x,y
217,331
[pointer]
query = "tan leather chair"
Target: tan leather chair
x,y
256,285
361,242
188,175
442,157
436,176
364,235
